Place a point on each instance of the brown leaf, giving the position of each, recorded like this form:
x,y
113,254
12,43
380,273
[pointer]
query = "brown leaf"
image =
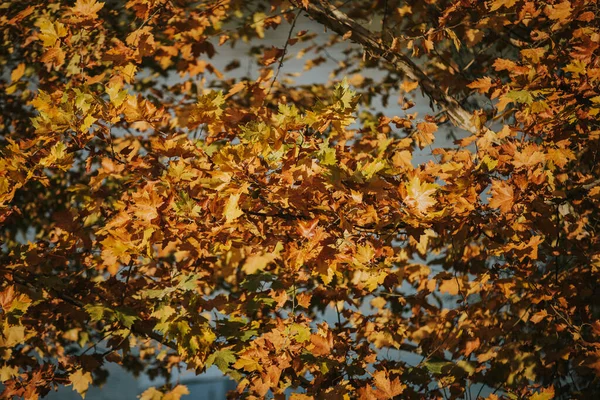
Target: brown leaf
x,y
271,56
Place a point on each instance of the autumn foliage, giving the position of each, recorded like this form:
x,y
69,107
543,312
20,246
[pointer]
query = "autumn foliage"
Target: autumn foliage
x,y
160,212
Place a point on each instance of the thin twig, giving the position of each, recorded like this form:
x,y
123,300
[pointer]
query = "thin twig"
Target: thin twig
x,y
285,47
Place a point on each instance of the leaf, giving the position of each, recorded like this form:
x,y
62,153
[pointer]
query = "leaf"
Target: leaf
x,y
257,262
151,394
17,73
50,32
483,85
247,364
222,359
409,86
502,196
87,8
7,372
449,286
271,56
387,389
232,209
320,346
520,96
424,134
80,381
561,11
419,195
544,394
438,367
497,4
326,154
176,393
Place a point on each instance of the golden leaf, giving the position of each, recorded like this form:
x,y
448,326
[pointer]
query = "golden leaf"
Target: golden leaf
x,y
80,381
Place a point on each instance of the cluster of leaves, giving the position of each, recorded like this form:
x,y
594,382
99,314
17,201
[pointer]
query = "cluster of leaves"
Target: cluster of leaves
x,y
215,221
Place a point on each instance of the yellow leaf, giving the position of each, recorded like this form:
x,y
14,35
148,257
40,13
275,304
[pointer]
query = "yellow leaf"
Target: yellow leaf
x,y
176,393
419,195
7,373
50,32
17,73
87,123
116,95
232,210
12,335
257,262
80,381
151,394
247,365
496,4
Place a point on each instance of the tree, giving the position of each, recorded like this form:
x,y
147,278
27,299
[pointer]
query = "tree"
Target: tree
x,y
212,221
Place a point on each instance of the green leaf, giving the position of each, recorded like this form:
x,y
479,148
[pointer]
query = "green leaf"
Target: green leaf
x,y
520,96
437,367
96,311
326,155
222,359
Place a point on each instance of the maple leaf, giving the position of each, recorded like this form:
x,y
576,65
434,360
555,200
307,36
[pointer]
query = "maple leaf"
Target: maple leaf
x,y
424,134
51,31
561,11
271,56
176,393
17,73
232,210
151,394
528,157
544,394
320,345
80,381
222,359
87,9
257,262
449,286
409,86
482,85
12,335
247,364
496,4
419,195
502,196
7,372
387,389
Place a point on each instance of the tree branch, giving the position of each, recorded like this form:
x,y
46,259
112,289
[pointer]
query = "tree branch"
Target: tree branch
x,y
334,19
136,328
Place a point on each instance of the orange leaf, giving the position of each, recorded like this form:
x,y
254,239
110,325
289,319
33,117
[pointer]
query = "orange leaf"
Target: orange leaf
x,y
502,196
424,134
387,389
482,85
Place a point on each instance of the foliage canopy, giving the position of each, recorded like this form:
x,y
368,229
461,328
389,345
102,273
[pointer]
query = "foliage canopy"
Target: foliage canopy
x,y
158,211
